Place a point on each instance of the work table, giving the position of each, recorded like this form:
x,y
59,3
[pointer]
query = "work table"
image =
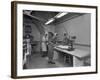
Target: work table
x,y
77,54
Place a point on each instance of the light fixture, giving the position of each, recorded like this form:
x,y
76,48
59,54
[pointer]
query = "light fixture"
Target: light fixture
x,y
49,21
61,14
28,12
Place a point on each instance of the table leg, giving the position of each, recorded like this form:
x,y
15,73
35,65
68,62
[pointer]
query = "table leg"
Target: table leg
x,y
55,55
77,62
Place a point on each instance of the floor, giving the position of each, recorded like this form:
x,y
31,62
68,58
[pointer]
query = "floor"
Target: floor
x,y
35,61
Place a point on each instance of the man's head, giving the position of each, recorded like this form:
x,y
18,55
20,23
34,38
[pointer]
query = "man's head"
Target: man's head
x,y
50,35
65,34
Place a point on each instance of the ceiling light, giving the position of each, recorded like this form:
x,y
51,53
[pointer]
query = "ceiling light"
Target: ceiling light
x,y
59,15
49,21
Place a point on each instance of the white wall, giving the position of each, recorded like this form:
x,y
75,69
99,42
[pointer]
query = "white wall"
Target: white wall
x,y
36,34
5,41
79,27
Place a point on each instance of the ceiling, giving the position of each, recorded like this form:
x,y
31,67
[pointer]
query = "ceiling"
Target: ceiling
x,y
44,16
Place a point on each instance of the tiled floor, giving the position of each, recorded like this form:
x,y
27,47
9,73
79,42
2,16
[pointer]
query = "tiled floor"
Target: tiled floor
x,y
35,61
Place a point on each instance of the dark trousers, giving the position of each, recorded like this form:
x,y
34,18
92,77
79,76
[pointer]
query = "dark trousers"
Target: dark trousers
x,y
44,53
50,52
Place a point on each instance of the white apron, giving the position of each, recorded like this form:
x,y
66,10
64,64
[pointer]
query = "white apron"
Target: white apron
x,y
44,46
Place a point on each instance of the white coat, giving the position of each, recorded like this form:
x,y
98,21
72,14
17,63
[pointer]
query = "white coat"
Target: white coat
x,y
44,45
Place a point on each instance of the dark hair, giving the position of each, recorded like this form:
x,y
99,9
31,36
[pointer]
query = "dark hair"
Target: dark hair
x,y
50,33
65,34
